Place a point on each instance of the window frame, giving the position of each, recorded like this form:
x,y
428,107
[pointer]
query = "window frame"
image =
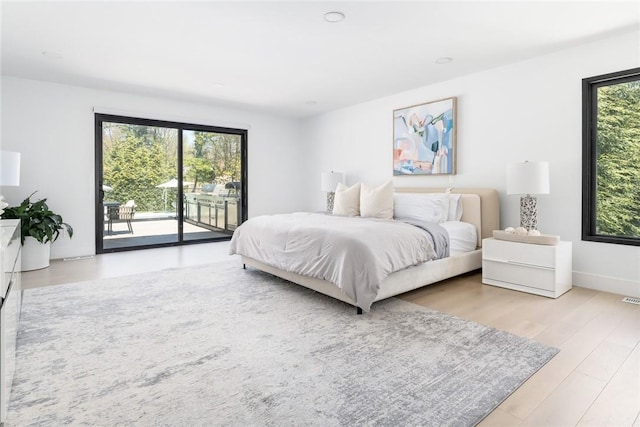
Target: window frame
x,y
590,86
99,118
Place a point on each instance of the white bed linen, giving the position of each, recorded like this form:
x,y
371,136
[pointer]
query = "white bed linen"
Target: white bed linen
x,y
355,254
463,237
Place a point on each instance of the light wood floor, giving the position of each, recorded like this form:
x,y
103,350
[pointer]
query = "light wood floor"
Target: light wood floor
x,y
593,381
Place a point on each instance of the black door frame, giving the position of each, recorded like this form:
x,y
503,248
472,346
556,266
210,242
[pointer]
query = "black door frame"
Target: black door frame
x,y
99,118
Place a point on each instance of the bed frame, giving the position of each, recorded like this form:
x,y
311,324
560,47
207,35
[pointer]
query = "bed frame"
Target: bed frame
x,y
481,207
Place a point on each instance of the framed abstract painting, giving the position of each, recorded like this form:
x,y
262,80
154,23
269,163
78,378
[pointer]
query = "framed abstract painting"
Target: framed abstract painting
x,y
424,139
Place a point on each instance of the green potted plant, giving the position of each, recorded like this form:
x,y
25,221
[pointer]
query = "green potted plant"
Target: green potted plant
x,y
40,227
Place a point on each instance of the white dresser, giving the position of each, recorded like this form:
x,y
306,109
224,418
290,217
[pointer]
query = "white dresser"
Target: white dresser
x,y
10,306
537,269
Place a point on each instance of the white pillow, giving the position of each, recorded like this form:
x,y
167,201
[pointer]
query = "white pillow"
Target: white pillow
x,y
455,207
454,201
347,200
377,202
463,236
454,204
421,206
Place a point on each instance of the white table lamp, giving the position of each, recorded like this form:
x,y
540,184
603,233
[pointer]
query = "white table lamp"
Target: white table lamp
x,y
527,179
328,183
9,173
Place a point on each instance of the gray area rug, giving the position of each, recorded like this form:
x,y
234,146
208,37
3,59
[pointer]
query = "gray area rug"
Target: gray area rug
x,y
218,345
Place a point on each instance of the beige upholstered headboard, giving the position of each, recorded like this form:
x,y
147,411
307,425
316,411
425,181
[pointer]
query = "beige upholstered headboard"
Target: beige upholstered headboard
x,y
480,206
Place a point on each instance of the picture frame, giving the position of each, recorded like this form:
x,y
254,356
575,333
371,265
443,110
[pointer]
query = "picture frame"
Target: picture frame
x,y
424,139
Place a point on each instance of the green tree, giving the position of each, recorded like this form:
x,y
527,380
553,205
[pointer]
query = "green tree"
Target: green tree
x,y
197,161
618,160
135,163
214,157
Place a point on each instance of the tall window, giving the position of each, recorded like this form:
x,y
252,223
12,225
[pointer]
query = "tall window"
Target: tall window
x,y
611,158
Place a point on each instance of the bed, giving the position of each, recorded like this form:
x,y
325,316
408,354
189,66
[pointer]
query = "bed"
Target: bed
x,y
480,208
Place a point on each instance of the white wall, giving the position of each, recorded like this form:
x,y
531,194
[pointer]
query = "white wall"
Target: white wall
x,y
52,126
525,111
529,110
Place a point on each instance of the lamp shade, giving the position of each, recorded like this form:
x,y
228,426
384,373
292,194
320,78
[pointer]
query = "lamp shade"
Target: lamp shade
x,y
528,178
9,168
330,180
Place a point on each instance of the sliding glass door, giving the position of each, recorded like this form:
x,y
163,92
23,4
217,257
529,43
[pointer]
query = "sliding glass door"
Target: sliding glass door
x,y
165,183
212,195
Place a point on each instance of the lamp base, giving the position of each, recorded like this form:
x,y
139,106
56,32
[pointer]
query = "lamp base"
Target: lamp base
x,y
529,212
330,198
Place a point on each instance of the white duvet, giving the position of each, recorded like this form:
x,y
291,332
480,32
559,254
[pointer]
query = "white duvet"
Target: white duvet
x,y
355,254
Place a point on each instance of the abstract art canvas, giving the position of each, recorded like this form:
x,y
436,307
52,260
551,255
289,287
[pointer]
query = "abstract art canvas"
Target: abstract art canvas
x,y
424,139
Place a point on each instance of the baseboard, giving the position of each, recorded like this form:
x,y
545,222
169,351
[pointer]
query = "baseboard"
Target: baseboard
x,y
606,284
70,252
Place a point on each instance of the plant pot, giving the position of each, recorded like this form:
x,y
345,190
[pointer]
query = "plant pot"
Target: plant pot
x,y
35,255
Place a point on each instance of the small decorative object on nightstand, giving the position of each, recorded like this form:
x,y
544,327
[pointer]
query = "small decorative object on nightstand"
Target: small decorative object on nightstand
x,y
328,183
532,236
540,269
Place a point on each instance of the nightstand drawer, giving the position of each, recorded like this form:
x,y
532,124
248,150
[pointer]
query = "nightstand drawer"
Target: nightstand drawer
x,y
538,278
527,254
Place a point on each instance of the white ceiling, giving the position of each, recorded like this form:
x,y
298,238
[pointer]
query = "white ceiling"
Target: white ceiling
x,y
282,56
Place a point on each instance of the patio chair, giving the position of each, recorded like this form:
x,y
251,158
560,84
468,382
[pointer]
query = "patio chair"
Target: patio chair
x,y
123,213
126,214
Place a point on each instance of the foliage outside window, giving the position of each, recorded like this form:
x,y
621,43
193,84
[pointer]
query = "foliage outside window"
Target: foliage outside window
x,y
136,159
611,158
139,157
212,158
185,182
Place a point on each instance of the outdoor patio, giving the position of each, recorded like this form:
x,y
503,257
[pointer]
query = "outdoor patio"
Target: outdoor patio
x,y
211,212
152,229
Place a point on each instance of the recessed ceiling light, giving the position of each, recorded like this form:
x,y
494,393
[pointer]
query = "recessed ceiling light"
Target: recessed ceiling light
x,y
51,54
334,17
217,84
311,103
443,60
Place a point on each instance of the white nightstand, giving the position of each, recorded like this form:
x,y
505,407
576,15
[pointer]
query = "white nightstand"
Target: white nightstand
x,y
537,269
